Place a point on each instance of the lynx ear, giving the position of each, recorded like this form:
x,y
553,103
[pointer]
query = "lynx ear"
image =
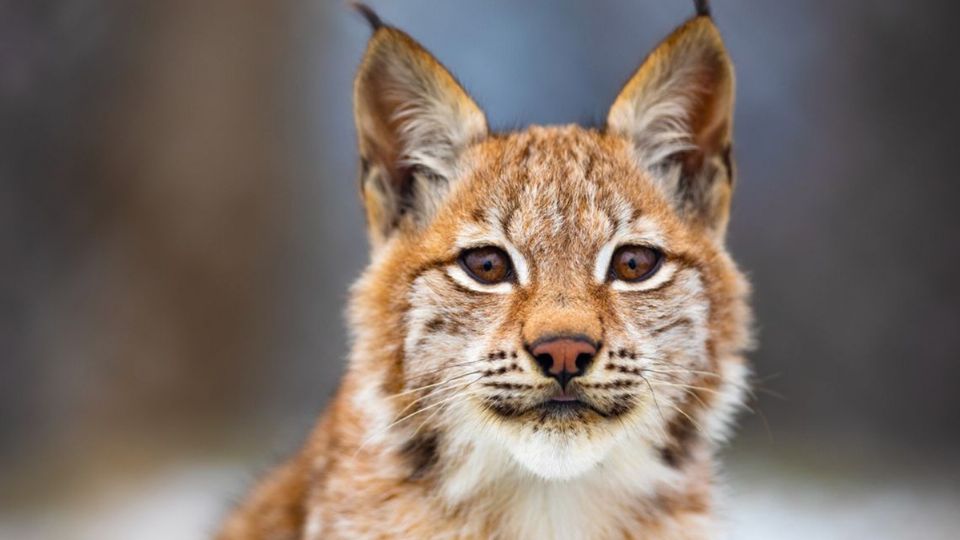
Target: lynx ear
x,y
677,110
413,120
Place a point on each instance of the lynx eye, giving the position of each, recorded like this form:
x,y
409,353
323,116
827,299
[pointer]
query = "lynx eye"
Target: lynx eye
x,y
488,265
634,263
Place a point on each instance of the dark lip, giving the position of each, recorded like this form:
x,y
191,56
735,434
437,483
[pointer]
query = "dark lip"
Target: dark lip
x,y
561,405
564,404
567,405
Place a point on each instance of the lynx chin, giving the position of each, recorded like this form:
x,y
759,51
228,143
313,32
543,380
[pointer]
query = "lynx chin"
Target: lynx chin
x,y
549,339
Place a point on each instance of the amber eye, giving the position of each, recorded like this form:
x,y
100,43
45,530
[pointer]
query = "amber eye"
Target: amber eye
x,y
488,265
634,263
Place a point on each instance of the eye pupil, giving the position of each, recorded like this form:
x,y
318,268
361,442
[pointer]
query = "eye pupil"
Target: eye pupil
x,y
632,264
487,266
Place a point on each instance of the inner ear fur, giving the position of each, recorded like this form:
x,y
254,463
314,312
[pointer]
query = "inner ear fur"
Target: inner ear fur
x,y
677,111
413,121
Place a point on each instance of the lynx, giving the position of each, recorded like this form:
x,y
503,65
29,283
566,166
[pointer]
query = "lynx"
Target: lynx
x,y
549,340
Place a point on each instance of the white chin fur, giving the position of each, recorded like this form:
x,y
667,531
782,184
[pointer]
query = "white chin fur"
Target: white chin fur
x,y
554,456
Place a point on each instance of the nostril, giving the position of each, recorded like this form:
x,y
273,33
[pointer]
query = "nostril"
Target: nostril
x,y
545,361
583,361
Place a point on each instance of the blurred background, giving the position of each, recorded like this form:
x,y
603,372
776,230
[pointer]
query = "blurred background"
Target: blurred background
x,y
179,226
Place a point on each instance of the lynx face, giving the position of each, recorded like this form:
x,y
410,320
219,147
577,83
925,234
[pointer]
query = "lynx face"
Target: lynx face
x,y
558,294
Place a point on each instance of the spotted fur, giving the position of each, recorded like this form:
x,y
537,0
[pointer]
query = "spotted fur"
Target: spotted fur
x,y
442,427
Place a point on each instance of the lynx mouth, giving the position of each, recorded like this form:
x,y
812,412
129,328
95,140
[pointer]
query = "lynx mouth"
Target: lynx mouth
x,y
561,409
564,408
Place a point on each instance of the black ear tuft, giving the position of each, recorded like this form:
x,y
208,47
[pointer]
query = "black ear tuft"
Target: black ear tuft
x,y
369,14
702,7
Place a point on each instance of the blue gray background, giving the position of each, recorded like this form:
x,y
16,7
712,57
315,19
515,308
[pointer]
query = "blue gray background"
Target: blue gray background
x,y
179,226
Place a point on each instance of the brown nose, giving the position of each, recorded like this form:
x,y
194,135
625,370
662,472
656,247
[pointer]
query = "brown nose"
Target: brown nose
x,y
564,358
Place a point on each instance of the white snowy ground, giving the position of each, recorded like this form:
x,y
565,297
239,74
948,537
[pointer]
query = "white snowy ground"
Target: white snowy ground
x,y
770,501
766,501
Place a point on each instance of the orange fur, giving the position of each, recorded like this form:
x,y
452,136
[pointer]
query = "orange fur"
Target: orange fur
x,y
437,429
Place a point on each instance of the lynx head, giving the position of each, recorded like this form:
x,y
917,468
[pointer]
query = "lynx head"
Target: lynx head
x,y
559,294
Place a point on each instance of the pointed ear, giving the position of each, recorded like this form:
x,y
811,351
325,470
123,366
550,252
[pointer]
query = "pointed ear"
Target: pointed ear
x,y
677,110
413,121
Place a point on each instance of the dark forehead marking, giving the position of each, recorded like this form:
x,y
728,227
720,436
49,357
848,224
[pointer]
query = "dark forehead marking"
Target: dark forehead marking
x,y
588,166
525,156
478,215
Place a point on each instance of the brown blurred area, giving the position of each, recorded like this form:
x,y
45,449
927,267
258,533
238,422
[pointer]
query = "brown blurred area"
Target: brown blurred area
x,y
144,222
179,226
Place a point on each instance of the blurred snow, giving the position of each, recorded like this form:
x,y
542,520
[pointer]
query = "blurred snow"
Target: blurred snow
x,y
770,503
184,504
765,501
